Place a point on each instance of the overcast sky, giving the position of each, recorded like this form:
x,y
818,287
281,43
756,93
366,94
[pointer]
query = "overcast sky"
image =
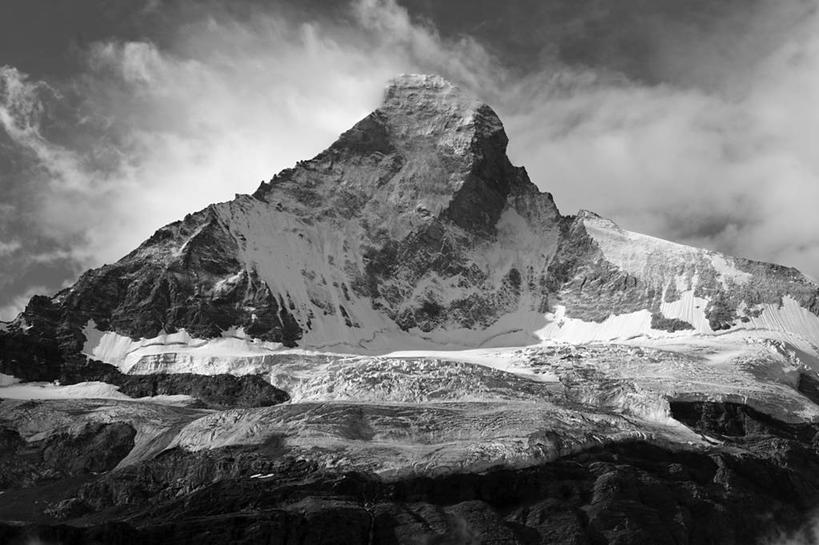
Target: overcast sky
x,y
692,120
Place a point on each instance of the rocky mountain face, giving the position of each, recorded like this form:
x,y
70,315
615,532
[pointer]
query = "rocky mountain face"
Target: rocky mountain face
x,y
414,220
402,340
396,221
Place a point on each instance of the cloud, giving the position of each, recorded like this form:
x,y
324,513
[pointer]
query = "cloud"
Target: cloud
x,y
18,303
224,106
716,167
808,534
7,248
151,130
23,105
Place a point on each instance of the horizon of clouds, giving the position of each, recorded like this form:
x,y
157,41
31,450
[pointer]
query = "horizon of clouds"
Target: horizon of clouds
x,y
146,133
808,534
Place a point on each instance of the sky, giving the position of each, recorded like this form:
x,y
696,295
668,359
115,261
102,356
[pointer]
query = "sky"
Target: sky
x,y
691,120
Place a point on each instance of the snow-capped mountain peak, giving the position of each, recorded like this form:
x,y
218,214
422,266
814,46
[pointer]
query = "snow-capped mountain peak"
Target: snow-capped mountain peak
x,y
414,229
408,303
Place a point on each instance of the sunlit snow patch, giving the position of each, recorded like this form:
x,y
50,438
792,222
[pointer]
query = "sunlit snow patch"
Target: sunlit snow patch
x,y
7,380
81,390
643,255
178,350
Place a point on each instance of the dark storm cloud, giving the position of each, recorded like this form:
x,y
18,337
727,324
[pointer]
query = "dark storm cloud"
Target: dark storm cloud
x,y
47,37
688,120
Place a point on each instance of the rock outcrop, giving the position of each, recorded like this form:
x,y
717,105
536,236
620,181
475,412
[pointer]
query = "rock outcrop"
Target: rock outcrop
x,y
95,449
631,493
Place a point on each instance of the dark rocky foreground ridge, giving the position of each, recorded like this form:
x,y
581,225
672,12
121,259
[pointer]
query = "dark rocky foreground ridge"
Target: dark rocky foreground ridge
x,y
762,481
413,224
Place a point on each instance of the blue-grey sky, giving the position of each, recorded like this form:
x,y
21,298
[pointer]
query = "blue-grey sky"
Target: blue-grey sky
x,y
693,120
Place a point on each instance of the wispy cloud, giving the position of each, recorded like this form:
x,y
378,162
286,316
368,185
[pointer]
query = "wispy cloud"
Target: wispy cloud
x,y
22,107
18,303
727,168
9,247
807,535
222,108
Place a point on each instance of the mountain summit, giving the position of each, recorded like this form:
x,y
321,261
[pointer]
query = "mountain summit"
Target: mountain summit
x,y
430,151
414,217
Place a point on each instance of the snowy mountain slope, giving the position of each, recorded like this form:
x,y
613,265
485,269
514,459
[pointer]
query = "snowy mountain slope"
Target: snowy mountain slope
x,y
678,291
639,376
412,231
651,285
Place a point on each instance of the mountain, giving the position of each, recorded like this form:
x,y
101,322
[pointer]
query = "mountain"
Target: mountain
x,y
379,338
410,228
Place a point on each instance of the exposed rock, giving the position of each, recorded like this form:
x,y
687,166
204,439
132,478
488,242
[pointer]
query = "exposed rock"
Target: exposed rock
x,y
668,324
214,391
808,386
627,493
732,420
721,315
97,448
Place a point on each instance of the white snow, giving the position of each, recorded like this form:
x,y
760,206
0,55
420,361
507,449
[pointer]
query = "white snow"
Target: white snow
x,y
633,252
81,390
726,269
790,322
791,317
614,328
179,351
8,380
649,257
502,359
688,308
307,263
237,354
47,390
